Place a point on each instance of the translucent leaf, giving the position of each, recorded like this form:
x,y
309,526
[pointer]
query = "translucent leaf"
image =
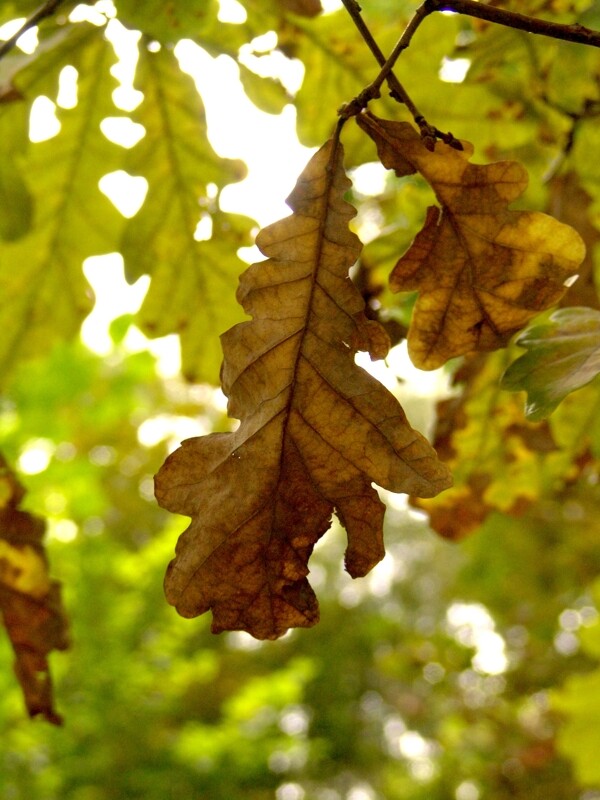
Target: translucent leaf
x,y
338,66
170,22
268,94
16,207
179,164
44,293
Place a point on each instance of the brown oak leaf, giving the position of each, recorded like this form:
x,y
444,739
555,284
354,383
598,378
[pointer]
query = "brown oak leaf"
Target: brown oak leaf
x,y
315,429
482,270
30,603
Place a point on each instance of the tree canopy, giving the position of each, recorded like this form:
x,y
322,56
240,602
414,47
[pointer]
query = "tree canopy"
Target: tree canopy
x,y
456,654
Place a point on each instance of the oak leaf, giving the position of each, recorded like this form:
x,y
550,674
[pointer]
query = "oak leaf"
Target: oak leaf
x,y
482,270
30,603
315,429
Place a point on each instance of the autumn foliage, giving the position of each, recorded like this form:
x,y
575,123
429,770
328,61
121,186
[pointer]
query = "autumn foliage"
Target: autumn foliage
x,y
30,603
316,430
317,433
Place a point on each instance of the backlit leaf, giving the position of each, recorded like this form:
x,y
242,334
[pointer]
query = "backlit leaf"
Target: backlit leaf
x,y
337,67
169,22
178,162
266,93
44,293
315,430
482,270
16,208
29,601
563,355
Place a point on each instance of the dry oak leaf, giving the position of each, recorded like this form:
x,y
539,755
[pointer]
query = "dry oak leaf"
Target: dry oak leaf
x,y
482,270
30,604
315,430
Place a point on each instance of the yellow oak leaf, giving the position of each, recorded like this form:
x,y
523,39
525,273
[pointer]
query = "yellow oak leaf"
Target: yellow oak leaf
x,y
482,271
315,429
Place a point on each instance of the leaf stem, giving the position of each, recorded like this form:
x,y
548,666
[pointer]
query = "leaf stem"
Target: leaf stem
x,y
46,10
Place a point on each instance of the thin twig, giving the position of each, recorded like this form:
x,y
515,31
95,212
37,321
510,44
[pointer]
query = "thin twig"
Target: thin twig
x,y
511,19
42,12
403,42
576,33
429,132
569,33
397,90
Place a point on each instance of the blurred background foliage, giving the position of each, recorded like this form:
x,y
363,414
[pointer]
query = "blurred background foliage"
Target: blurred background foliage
x,y
458,670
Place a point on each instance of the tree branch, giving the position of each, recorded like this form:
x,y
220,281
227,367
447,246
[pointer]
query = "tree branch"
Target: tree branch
x,y
42,12
511,19
429,132
576,33
569,33
397,90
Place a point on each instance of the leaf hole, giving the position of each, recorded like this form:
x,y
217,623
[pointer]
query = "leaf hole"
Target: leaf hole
x,y
43,123
67,87
126,192
122,131
204,228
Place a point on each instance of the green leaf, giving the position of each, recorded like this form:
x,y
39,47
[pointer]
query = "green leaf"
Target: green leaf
x,y
25,75
193,282
563,356
591,17
578,701
266,93
44,293
169,22
14,9
578,736
178,162
198,20
338,66
191,293
15,199
15,202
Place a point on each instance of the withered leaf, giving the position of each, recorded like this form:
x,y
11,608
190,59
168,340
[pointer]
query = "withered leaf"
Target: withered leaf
x,y
482,270
315,429
30,603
